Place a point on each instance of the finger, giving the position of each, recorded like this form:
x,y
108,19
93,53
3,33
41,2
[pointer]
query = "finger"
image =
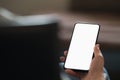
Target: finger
x,y
71,72
65,53
62,58
96,50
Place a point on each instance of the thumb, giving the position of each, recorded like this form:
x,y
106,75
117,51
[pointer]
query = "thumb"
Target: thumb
x,y
97,50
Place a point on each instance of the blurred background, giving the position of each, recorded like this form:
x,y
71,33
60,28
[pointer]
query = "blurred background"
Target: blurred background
x,y
66,13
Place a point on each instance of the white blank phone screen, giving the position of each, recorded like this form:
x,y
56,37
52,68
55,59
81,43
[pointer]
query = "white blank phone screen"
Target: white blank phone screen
x,y
82,46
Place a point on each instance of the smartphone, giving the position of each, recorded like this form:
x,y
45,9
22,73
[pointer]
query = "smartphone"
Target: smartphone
x,y
81,47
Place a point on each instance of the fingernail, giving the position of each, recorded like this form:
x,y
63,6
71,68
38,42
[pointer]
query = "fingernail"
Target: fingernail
x,y
98,45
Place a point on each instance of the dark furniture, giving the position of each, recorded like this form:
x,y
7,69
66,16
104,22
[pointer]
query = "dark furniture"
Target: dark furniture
x,y
95,5
28,51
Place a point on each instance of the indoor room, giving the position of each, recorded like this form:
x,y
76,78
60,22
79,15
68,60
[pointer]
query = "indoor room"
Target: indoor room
x,y
23,21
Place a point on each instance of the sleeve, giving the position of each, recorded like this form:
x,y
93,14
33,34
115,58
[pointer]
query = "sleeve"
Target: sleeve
x,y
106,75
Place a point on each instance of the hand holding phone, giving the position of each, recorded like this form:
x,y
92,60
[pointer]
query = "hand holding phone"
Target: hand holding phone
x,y
96,71
81,47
